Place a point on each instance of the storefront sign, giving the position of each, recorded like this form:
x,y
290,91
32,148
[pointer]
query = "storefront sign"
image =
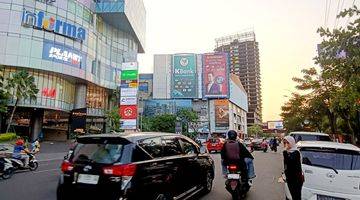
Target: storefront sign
x,y
78,120
129,66
128,111
221,115
128,101
49,92
60,53
129,84
215,75
129,92
128,123
129,75
184,76
49,23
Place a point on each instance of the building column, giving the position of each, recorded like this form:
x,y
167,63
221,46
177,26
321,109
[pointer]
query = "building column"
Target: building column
x,y
80,96
36,121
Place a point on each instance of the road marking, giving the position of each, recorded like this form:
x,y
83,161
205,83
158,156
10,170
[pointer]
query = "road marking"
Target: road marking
x,y
48,170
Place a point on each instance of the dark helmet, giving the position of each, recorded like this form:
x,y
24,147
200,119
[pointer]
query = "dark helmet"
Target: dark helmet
x,y
232,135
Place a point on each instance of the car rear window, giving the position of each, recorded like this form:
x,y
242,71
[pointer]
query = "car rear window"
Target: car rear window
x,y
300,137
214,140
333,158
99,150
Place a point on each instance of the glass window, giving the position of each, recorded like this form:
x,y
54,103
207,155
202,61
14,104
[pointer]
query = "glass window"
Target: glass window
x,y
171,146
188,147
71,6
152,146
98,153
331,158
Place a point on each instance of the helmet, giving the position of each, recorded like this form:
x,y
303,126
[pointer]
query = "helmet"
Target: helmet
x,y
20,142
232,135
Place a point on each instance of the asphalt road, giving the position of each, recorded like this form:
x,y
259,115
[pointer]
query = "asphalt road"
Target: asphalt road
x,y
41,184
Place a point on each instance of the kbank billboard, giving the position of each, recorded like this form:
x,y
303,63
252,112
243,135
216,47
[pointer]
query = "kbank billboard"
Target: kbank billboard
x,y
184,81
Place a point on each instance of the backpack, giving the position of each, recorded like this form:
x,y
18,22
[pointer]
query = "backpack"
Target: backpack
x,y
232,150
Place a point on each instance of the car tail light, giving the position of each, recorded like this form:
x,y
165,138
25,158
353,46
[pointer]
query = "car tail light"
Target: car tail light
x,y
232,167
67,166
120,170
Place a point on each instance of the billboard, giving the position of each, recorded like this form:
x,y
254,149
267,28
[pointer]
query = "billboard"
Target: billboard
x,y
184,76
129,75
221,115
275,125
165,106
215,75
128,100
128,111
143,86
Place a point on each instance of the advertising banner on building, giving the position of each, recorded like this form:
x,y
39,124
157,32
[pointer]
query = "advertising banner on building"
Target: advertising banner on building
x,y
166,106
78,120
215,75
129,75
221,115
63,54
184,82
128,100
128,111
143,86
275,125
128,123
129,84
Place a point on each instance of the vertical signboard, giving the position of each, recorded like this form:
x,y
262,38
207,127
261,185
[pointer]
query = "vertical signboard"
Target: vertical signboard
x,y
184,76
221,115
78,120
128,109
215,75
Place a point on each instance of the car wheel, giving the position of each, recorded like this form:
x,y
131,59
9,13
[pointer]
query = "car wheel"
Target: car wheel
x,y
208,183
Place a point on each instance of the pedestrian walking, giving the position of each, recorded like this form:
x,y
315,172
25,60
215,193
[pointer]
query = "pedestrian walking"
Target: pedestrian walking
x,y
292,167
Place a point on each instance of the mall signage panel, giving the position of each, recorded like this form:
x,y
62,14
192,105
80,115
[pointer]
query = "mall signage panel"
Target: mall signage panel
x,y
184,82
60,53
39,20
221,114
128,109
215,75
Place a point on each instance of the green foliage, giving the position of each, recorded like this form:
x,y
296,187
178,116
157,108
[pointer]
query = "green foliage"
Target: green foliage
x,y
164,123
255,130
113,119
6,137
4,93
189,118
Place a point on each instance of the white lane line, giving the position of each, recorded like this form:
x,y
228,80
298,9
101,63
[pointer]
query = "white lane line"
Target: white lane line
x,y
48,170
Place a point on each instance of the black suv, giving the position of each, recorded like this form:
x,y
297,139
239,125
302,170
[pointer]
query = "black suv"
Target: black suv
x,y
135,166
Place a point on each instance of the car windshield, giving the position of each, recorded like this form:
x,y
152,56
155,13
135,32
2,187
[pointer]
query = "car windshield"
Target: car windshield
x,y
331,158
98,153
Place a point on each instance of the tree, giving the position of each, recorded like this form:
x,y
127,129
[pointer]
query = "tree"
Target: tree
x,y
164,123
189,118
255,130
113,118
22,87
4,93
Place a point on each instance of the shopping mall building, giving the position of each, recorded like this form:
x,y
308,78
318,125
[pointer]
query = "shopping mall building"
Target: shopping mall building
x,y
74,50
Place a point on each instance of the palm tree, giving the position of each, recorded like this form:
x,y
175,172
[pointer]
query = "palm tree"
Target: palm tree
x,y
22,86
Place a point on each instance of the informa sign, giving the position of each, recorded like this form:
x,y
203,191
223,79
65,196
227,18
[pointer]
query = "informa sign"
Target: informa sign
x,y
215,75
128,111
61,53
275,125
128,123
129,75
221,115
128,101
184,76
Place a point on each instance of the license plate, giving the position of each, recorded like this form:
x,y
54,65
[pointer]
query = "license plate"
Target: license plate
x,y
323,197
233,176
88,179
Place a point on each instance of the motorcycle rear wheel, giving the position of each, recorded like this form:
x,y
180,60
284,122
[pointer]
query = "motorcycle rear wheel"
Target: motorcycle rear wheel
x,y
33,166
7,174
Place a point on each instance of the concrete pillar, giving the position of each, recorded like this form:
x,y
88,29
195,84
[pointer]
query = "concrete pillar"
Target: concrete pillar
x,y
36,121
80,96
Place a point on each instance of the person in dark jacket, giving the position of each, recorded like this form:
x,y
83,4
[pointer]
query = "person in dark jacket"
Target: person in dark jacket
x,y
233,152
292,167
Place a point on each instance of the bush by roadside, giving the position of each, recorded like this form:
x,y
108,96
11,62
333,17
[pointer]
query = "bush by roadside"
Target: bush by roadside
x,y
6,137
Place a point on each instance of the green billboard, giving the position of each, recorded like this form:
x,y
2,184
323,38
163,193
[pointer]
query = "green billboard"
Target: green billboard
x,y
184,82
129,75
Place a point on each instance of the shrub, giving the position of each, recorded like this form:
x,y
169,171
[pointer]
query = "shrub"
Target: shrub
x,y
5,137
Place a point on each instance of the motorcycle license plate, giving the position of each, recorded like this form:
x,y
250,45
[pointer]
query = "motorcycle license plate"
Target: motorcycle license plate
x,y
233,185
233,176
88,179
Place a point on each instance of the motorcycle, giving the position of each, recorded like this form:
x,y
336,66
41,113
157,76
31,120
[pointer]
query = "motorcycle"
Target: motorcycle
x,y
6,168
20,165
234,184
264,146
274,148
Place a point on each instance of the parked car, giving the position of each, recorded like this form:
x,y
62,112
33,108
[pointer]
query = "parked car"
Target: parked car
x,y
310,136
256,143
215,144
135,166
332,170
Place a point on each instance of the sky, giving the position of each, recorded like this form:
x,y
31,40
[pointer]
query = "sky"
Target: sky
x,y
285,30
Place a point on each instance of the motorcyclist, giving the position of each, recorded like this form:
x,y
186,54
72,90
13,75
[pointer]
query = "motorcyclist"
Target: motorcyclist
x,y
20,152
233,152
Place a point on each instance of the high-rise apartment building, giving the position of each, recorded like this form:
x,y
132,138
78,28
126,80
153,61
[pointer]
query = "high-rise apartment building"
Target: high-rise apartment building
x,y
243,50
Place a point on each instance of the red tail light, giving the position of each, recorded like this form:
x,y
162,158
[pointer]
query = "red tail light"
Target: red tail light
x,y
67,166
232,167
120,170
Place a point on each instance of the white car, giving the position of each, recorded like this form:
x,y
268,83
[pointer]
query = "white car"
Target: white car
x,y
332,171
310,136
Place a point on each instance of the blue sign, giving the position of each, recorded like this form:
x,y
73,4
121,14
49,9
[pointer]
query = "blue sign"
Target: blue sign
x,y
41,21
61,53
